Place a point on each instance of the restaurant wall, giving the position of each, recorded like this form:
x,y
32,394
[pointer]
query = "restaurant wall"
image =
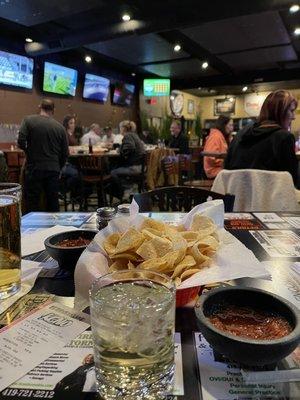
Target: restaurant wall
x,y
207,108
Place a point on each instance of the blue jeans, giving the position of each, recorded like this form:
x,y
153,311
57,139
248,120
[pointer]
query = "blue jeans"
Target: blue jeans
x,y
119,173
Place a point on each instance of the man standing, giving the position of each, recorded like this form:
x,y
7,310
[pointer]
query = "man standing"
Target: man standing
x,y
179,140
44,141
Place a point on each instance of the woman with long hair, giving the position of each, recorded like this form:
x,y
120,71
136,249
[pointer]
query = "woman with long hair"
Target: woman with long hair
x,y
69,124
217,142
268,144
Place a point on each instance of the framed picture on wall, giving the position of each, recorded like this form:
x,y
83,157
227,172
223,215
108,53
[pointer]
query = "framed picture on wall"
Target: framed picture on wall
x,y
224,106
191,107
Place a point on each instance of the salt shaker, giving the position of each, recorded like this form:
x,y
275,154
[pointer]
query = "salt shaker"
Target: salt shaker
x,y
123,210
104,215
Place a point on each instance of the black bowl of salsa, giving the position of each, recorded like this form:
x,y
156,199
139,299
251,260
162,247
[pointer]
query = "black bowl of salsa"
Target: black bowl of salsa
x,y
66,247
250,326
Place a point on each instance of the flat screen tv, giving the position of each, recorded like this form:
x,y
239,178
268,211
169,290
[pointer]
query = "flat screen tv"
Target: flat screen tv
x,y
156,87
59,79
123,94
16,70
95,88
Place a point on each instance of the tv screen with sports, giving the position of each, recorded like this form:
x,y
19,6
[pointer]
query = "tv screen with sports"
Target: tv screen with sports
x,y
59,79
16,70
123,94
95,88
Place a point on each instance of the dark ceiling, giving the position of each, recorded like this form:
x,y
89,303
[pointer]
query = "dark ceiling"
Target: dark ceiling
x,y
244,42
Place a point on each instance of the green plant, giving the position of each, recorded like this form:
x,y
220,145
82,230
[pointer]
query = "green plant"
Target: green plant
x,y
198,126
165,127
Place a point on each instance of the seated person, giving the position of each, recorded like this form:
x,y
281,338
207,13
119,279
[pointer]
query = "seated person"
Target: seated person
x,y
217,142
118,137
93,134
146,137
268,144
132,151
69,124
179,140
108,137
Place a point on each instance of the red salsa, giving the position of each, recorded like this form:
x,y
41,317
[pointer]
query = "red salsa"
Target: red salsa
x,y
250,323
74,242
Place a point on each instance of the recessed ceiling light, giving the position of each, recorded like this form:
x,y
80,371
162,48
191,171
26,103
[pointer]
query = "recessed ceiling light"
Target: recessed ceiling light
x,y
231,99
88,59
177,47
133,73
245,88
28,40
294,8
204,65
126,17
199,88
297,31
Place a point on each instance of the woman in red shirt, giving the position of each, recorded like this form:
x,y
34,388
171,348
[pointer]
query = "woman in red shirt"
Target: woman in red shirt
x,y
217,142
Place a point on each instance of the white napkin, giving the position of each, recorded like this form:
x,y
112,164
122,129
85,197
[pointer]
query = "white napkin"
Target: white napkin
x,y
29,273
34,242
232,260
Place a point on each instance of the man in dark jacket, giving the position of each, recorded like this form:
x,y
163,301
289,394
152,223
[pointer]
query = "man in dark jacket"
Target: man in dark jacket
x,y
178,140
44,141
268,147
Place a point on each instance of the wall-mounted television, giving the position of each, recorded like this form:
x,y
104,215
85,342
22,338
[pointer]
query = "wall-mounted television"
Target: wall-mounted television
x,y
95,87
16,70
156,87
123,94
59,79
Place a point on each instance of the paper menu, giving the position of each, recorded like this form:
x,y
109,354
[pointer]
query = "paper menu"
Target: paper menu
x,y
27,342
63,365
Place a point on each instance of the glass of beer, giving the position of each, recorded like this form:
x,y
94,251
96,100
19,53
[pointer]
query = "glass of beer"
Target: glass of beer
x,y
10,239
133,322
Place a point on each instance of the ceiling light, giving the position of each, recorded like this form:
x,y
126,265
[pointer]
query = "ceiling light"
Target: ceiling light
x,y
294,8
133,73
204,65
199,88
126,17
177,47
28,40
297,31
88,59
231,99
245,88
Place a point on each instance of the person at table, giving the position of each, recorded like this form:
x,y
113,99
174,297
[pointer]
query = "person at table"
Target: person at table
x,y
93,136
267,144
147,137
69,124
108,137
132,151
44,141
217,142
178,140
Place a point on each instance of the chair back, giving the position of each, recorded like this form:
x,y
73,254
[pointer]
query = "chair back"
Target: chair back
x,y
258,190
155,174
90,163
179,198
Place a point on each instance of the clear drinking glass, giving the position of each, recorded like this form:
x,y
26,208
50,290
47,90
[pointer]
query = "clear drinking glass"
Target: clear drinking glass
x,y
10,239
133,322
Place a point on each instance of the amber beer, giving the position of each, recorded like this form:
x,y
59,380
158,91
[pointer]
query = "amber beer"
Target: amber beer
x,y
10,240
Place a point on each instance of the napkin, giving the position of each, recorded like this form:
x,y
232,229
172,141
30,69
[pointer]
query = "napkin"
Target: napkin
x,y
34,242
29,273
232,260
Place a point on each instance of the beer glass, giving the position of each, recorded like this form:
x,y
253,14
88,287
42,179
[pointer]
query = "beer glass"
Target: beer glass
x,y
133,322
10,239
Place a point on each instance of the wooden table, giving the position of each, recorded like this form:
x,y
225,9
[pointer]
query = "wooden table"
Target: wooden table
x,y
63,285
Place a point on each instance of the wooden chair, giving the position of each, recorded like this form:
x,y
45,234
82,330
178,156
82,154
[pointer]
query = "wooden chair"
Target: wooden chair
x,y
170,168
92,171
179,198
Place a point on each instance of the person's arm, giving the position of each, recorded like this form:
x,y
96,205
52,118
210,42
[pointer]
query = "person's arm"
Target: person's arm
x,y
23,135
64,150
288,157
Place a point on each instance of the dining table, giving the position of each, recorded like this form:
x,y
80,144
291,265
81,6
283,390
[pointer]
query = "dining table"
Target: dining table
x,y
273,237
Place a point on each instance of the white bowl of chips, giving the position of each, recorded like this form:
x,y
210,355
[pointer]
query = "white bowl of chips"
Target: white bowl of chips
x,y
165,248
